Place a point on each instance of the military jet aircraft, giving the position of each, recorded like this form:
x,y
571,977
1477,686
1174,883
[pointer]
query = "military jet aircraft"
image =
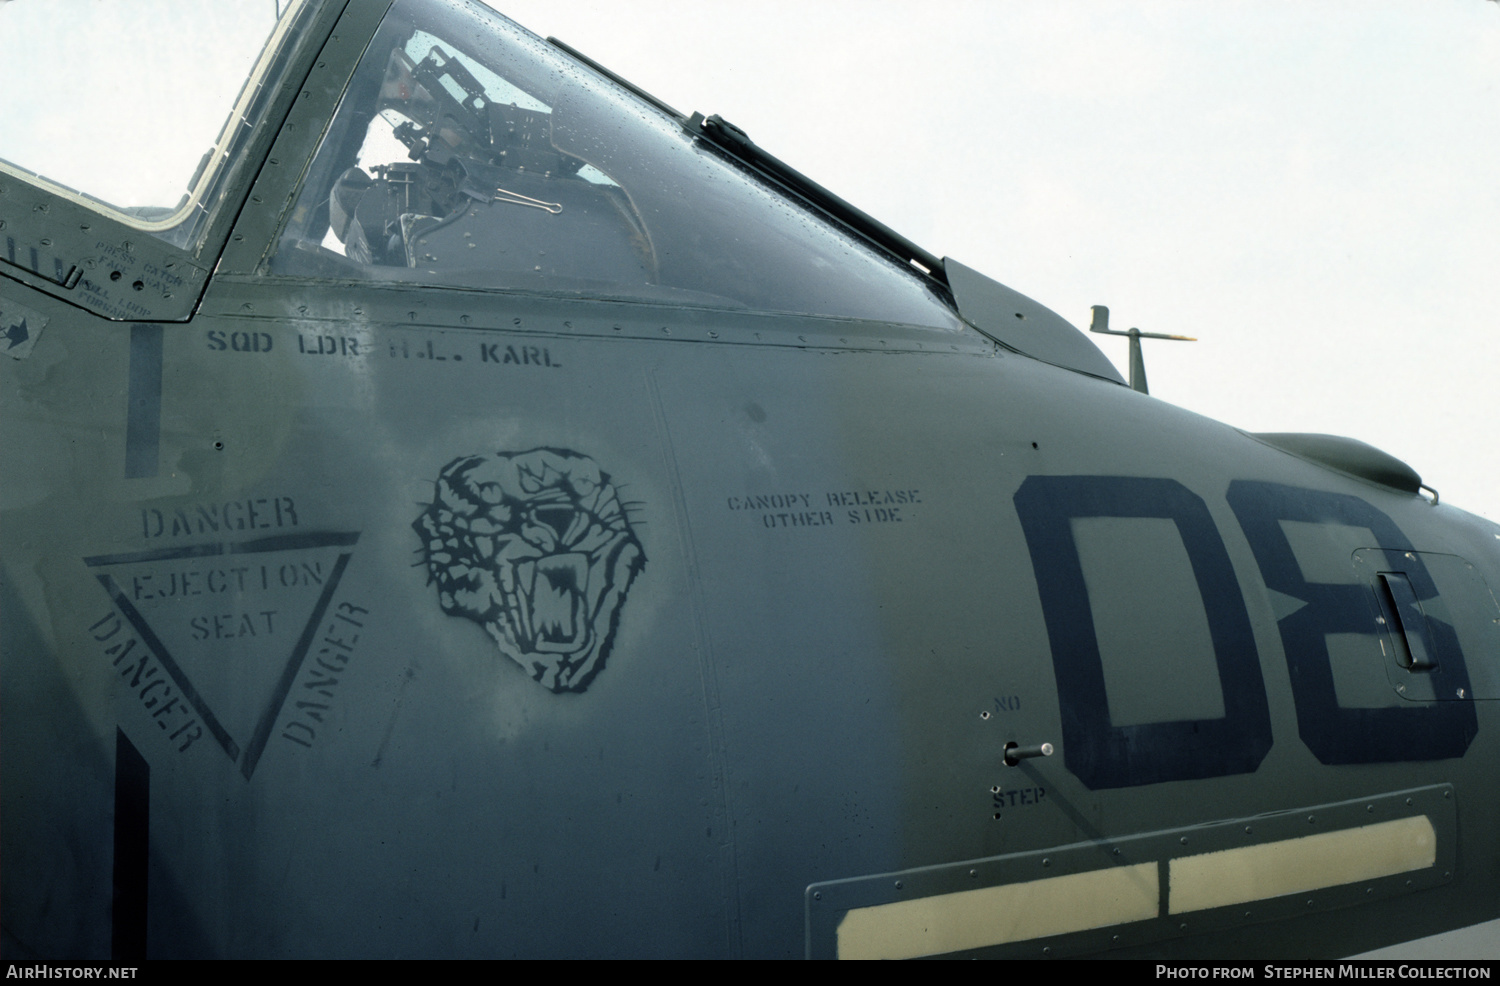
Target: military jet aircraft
x,y
493,513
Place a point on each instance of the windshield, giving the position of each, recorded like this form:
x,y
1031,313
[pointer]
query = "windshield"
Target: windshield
x,y
468,152
135,109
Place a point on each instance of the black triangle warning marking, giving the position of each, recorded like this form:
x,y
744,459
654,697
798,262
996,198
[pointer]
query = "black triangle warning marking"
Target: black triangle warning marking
x,y
166,598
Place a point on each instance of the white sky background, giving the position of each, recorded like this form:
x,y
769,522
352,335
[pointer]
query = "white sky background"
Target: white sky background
x,y
1311,188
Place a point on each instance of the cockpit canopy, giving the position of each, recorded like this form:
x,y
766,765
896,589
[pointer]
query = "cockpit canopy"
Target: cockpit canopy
x,y
139,110
467,152
464,152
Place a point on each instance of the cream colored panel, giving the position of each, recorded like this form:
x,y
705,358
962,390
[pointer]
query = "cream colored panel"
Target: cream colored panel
x,y
953,922
1313,862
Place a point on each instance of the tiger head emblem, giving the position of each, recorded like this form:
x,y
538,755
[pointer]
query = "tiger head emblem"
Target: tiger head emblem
x,y
536,548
